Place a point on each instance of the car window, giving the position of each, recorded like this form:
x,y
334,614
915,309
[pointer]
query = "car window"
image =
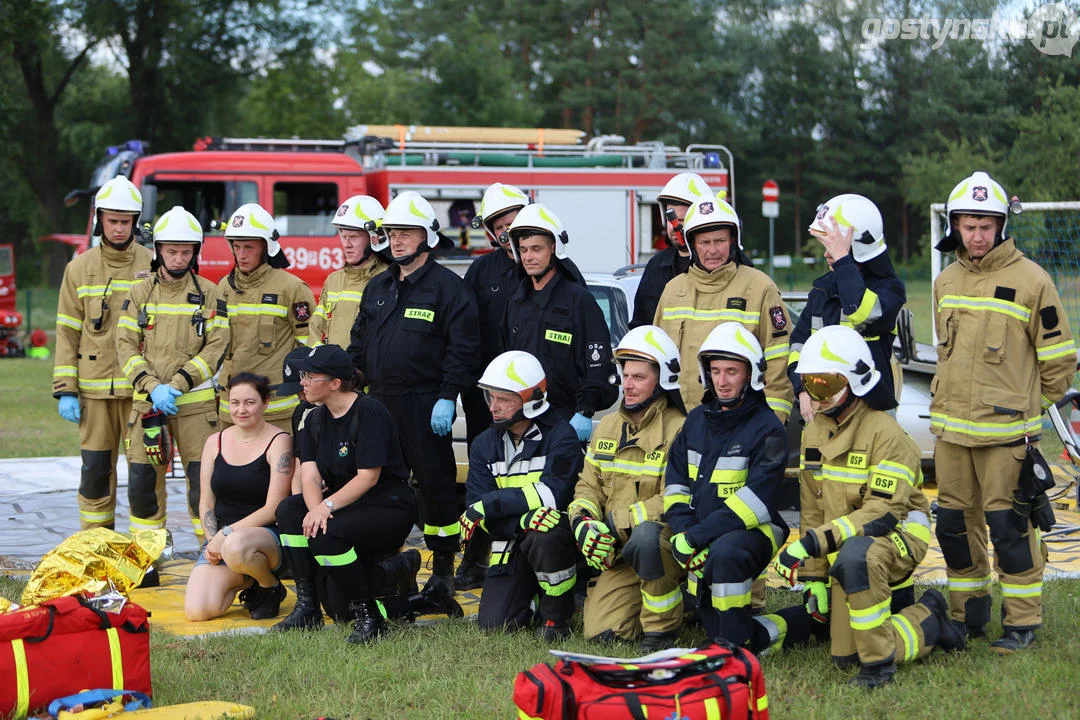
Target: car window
x,y
613,304
795,308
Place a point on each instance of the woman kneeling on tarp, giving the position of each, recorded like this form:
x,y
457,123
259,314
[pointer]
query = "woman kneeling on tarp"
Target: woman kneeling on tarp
x,y
246,472
355,507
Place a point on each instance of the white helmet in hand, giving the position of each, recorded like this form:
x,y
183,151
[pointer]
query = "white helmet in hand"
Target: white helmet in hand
x,y
858,212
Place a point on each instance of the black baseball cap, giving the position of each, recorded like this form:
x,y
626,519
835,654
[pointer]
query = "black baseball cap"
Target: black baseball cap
x,y
290,373
329,360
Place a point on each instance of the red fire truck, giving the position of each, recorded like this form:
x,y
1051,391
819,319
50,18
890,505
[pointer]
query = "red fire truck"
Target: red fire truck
x,y
603,190
10,318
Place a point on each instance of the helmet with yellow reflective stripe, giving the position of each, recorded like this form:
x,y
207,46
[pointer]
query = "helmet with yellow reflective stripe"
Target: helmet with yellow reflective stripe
x,y
732,341
838,350
119,195
710,213
538,219
499,199
857,212
684,189
651,344
177,226
518,372
978,195
408,210
252,222
360,212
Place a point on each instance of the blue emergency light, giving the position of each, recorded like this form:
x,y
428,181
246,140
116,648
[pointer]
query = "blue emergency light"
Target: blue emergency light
x,y
712,160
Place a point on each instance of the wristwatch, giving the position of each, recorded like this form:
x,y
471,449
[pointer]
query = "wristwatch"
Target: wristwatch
x,y
226,530
329,503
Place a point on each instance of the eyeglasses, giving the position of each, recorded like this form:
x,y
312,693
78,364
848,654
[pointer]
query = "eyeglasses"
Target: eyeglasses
x,y
822,386
308,377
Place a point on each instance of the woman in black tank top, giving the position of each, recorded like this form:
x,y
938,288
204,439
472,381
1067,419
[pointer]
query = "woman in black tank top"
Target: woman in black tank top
x,y
246,472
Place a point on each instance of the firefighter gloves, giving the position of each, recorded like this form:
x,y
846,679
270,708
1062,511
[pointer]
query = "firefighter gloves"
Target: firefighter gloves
x,y
817,600
596,542
156,438
470,519
789,559
542,519
688,556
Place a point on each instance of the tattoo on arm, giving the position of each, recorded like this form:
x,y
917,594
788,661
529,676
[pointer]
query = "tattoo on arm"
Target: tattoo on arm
x,y
285,463
209,524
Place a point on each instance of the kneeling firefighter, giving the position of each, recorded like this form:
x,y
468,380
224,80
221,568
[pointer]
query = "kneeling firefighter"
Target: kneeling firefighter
x,y
521,475
618,501
869,522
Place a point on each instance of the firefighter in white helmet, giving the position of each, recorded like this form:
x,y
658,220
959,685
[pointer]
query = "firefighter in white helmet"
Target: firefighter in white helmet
x,y
1005,352
865,520
721,286
269,309
88,380
558,321
618,501
170,342
861,290
675,199
723,473
357,221
521,476
416,342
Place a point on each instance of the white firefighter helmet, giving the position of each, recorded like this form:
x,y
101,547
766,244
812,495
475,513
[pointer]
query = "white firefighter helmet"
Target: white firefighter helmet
x,y
518,372
178,226
860,213
709,213
838,350
498,200
684,189
732,341
408,210
119,195
360,212
252,222
651,344
979,194
534,219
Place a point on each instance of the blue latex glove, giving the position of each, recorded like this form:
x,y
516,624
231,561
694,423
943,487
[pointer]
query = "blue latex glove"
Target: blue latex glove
x,y
164,398
442,416
582,426
69,408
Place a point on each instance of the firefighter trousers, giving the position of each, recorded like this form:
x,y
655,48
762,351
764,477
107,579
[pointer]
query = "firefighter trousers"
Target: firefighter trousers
x,y
787,628
188,431
533,564
357,537
102,429
975,489
641,592
724,590
430,457
862,619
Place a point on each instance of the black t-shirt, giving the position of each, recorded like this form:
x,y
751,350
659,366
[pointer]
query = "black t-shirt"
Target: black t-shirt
x,y
364,437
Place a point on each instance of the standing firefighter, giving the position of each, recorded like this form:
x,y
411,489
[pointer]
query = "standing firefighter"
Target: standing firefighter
x,y
719,288
356,221
558,321
521,476
675,200
618,502
1005,351
861,290
268,309
416,342
170,342
865,519
722,476
88,380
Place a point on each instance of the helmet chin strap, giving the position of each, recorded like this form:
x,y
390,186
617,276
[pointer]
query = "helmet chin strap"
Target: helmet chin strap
x,y
517,417
407,259
368,252
644,404
731,401
835,411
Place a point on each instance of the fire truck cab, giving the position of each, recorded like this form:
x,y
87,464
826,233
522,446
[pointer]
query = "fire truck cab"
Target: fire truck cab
x,y
604,191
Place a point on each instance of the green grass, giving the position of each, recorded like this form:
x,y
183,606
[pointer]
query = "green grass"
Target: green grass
x,y
452,670
29,423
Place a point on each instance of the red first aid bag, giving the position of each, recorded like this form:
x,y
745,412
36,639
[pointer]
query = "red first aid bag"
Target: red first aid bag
x,y
64,646
716,682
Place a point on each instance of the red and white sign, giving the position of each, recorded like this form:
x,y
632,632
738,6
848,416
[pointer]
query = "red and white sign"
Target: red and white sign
x,y
770,199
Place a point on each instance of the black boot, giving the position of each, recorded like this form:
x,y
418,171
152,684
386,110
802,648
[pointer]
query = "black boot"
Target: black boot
x,y
1012,641
434,600
306,614
399,574
871,677
368,623
655,641
472,571
442,570
950,637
